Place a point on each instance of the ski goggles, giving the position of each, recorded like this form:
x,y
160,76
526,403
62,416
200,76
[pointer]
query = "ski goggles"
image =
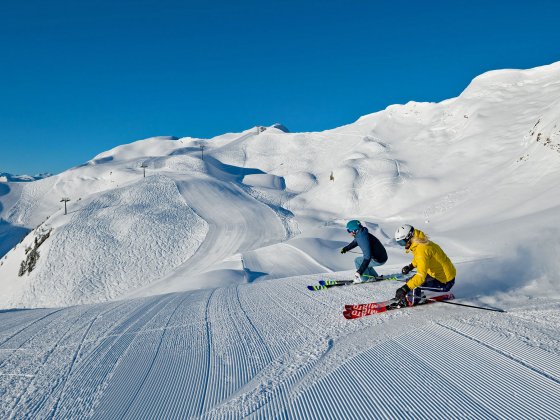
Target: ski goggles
x,y
402,242
351,231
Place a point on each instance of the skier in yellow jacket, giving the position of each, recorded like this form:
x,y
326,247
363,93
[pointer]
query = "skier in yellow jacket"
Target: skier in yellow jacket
x,y
435,271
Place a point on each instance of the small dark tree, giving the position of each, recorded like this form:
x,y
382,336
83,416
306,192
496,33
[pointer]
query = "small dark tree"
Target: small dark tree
x,y
22,268
30,261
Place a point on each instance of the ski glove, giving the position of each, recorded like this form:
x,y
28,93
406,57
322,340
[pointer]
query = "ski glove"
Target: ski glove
x,y
407,269
343,250
401,292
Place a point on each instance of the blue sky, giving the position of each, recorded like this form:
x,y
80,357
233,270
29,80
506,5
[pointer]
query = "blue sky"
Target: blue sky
x,y
80,77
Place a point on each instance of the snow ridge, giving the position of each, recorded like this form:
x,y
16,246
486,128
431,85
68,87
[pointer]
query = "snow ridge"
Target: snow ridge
x,y
122,256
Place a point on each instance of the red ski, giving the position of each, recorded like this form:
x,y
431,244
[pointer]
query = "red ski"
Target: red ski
x,y
365,309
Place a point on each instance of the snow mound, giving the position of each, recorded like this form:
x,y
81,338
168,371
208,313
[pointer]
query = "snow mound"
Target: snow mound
x,y
153,146
264,181
300,181
123,239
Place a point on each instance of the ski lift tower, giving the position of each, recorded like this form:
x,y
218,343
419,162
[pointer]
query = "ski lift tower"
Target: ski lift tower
x,y
144,166
65,200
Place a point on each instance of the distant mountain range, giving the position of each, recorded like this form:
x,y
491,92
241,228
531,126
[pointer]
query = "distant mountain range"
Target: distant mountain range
x,y
6,177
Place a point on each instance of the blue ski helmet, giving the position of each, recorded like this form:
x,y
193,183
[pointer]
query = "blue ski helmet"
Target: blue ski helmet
x,y
353,225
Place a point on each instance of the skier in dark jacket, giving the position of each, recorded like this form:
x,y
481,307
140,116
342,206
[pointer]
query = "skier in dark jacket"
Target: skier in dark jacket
x,y
373,250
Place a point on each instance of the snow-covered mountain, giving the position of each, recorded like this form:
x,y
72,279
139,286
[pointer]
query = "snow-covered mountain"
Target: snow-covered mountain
x,y
194,239
489,157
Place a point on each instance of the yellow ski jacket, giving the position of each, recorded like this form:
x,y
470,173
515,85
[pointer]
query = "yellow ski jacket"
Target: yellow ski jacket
x,y
429,259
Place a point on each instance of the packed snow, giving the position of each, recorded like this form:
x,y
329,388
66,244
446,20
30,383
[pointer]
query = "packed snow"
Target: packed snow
x,y
182,293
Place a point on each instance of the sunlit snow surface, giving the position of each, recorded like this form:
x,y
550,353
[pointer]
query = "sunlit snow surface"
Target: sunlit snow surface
x,y
275,349
183,294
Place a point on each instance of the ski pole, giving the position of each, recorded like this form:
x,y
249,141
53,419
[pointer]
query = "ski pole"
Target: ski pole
x,y
446,301
468,306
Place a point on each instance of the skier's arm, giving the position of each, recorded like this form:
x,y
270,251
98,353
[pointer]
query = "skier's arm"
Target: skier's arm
x,y
350,246
421,271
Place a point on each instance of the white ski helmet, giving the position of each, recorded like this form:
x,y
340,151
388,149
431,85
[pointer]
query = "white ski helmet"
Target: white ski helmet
x,y
403,234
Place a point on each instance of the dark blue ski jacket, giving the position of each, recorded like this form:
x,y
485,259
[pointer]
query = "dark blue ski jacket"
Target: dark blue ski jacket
x,y
371,247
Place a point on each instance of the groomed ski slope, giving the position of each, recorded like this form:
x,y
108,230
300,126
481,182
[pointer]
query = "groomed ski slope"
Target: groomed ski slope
x,y
273,349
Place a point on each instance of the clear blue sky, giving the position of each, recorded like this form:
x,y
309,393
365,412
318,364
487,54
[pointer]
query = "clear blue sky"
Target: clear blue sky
x,y
80,77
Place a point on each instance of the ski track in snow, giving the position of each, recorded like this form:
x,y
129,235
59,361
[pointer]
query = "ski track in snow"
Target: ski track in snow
x,y
225,237
272,349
